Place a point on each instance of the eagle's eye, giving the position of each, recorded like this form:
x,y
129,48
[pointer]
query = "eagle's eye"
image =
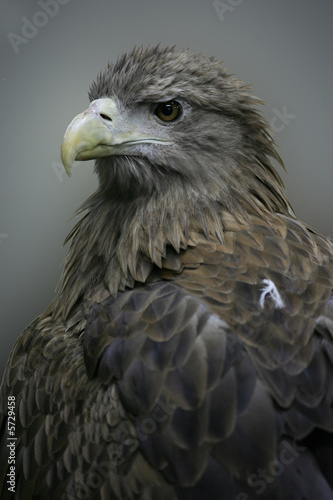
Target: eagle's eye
x,y
168,111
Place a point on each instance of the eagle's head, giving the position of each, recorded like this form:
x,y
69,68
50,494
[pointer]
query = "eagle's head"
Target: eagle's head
x,y
166,120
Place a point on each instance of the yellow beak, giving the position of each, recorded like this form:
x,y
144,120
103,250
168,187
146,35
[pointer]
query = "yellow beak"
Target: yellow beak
x,y
88,135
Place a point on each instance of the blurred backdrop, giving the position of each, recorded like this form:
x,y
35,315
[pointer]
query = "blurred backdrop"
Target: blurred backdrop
x,y
51,50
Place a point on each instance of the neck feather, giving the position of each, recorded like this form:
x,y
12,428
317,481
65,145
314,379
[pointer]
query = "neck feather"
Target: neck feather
x,y
119,240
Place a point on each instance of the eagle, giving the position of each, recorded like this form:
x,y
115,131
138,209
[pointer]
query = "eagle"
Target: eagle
x,y
188,352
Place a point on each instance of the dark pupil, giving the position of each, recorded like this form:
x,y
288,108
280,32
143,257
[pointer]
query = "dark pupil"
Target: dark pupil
x,y
167,109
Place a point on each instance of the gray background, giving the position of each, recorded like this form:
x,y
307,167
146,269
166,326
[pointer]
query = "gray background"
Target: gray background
x,y
282,47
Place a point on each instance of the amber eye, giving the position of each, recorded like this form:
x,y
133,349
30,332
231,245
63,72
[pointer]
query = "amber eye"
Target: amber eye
x,y
168,111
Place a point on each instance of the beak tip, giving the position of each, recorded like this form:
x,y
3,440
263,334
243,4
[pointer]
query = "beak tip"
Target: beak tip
x,y
66,159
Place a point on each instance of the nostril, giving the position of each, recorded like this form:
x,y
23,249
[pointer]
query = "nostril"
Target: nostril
x,y
105,117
